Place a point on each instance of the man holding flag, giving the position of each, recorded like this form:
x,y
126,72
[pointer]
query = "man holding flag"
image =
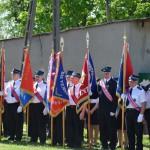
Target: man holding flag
x,y
73,122
14,112
37,110
107,109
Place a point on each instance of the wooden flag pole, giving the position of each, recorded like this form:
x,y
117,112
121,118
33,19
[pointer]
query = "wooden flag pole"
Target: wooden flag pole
x,y
63,122
2,91
89,115
0,117
63,113
51,130
123,106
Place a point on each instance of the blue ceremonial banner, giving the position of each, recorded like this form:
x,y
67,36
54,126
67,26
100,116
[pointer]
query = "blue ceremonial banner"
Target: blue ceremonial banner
x,y
60,96
93,83
120,81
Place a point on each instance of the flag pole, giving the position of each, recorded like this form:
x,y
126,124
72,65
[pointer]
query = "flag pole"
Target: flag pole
x,y
63,113
89,117
124,88
1,101
51,130
2,90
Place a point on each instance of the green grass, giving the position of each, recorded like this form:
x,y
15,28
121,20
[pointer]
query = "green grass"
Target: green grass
x,y
25,145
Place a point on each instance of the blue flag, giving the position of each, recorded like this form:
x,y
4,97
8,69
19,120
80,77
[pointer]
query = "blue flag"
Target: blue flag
x,y
93,83
60,96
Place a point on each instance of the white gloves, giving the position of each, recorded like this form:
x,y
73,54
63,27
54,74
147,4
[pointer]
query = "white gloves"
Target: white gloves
x,y
19,109
112,114
140,118
45,111
123,97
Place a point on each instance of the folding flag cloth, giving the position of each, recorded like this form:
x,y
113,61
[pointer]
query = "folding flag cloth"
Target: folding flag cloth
x,y
125,71
26,87
59,98
88,82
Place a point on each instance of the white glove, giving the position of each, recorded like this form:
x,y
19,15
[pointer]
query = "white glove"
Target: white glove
x,y
45,111
140,118
19,109
123,97
112,114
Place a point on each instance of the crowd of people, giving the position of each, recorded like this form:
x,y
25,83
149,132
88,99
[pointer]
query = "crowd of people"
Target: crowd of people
x,y
105,113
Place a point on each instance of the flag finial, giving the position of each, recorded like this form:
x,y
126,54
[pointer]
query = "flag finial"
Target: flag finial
x,y
62,44
124,35
87,39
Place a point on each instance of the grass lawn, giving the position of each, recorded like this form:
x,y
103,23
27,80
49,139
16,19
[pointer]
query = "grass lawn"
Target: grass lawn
x,y
24,145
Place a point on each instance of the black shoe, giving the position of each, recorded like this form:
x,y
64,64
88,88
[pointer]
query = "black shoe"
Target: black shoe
x,y
11,139
17,139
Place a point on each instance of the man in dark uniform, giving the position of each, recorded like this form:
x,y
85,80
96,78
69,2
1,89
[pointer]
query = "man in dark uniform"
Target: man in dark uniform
x,y
14,114
107,109
37,111
73,122
135,101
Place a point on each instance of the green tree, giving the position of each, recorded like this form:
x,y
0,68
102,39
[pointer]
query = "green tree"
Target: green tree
x,y
73,13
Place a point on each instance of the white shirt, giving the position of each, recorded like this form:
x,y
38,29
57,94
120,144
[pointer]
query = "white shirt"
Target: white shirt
x,y
16,85
77,90
106,80
147,94
41,89
138,95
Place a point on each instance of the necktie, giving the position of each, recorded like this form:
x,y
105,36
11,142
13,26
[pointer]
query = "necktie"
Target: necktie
x,y
14,88
74,90
36,86
127,102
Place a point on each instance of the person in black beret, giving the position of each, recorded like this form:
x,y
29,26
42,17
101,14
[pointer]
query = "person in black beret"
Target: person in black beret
x,y
135,102
37,111
74,125
107,108
14,114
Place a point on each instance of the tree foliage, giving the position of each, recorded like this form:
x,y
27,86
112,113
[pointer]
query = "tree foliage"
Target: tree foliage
x,y
73,13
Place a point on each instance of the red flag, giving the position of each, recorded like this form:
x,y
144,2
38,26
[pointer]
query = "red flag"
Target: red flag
x,y
27,90
2,71
125,70
2,63
128,68
84,88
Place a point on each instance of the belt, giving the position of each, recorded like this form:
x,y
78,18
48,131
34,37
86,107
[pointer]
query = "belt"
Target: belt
x,y
72,106
131,109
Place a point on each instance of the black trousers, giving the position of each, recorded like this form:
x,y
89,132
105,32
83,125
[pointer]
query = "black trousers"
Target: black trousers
x,y
147,118
57,130
14,121
37,122
74,127
134,130
108,129
4,119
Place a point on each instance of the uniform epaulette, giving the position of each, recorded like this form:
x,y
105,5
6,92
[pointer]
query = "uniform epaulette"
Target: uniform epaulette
x,y
139,87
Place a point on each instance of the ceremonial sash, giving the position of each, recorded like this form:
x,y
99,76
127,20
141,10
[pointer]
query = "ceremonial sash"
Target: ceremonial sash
x,y
132,102
106,92
37,94
74,98
15,94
